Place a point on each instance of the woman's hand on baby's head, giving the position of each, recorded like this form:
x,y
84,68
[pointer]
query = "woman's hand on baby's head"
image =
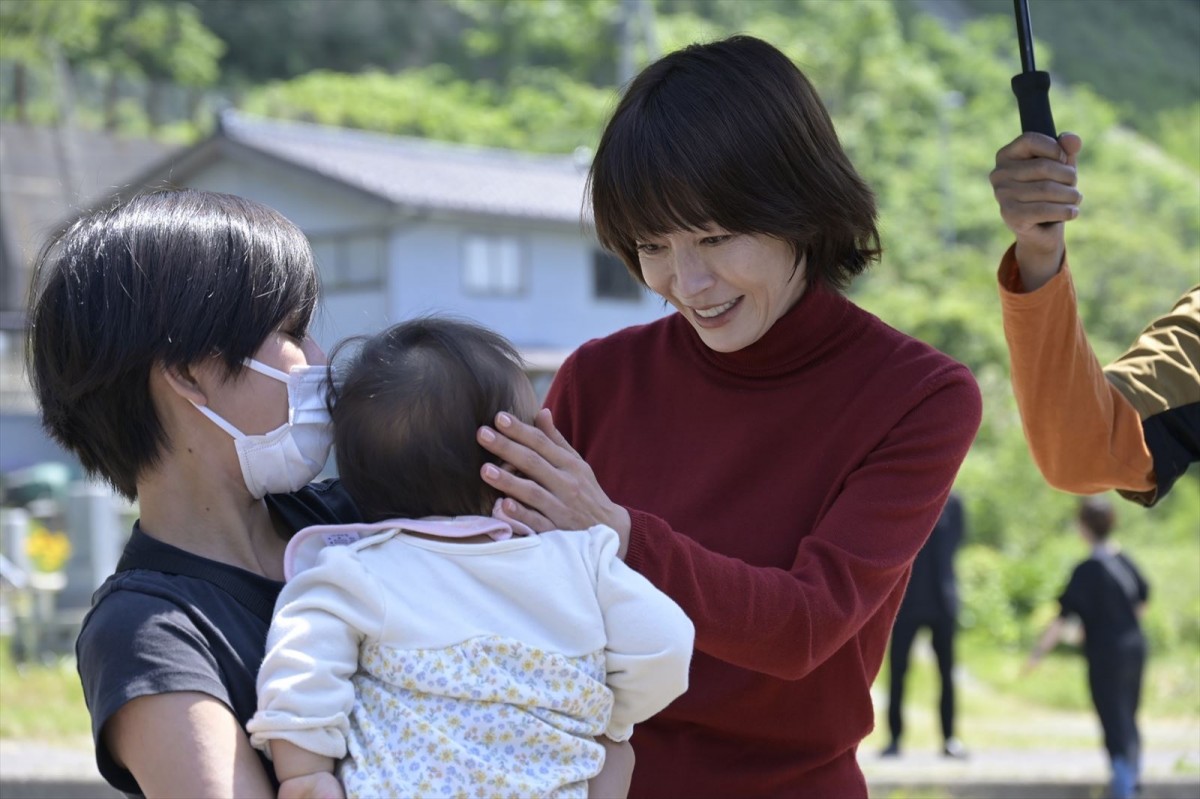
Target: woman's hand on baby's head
x,y
509,510
321,785
550,479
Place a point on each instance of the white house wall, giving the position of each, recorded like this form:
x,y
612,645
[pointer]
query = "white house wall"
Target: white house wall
x,y
556,309
317,207
348,313
314,204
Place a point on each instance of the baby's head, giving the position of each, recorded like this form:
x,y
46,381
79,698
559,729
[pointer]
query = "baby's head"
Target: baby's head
x,y
406,410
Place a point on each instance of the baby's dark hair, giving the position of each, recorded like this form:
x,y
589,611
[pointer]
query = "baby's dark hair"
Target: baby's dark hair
x,y
1098,516
406,406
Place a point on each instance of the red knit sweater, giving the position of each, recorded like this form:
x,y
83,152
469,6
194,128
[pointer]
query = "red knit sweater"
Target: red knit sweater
x,y
779,494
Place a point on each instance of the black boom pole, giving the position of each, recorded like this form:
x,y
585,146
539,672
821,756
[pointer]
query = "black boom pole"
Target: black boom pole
x,y
1032,87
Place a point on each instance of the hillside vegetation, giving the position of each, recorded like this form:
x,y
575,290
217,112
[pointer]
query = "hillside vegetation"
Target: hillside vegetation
x,y
1140,55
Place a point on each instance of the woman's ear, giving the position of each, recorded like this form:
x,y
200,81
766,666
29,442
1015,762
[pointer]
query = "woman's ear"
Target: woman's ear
x,y
182,380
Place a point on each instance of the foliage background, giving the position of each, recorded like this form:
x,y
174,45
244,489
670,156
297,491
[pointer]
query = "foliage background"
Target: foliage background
x,y
921,102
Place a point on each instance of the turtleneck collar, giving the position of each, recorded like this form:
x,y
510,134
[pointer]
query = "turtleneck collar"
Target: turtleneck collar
x,y
799,337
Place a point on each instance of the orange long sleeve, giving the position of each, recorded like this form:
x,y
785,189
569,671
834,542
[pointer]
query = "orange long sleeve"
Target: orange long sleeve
x,y
1084,435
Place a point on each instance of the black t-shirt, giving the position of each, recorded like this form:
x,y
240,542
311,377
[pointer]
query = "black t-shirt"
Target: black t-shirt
x,y
932,592
1104,592
168,621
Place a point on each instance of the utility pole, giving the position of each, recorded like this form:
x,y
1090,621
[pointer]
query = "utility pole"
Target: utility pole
x,y
635,24
951,101
64,131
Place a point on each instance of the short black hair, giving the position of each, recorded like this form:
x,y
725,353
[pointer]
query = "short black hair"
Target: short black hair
x,y
406,407
1098,516
167,278
731,133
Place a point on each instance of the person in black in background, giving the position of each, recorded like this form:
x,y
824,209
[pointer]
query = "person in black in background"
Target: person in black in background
x,y
931,600
1108,594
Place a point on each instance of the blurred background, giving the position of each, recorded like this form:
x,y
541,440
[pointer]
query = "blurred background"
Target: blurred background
x,y
434,151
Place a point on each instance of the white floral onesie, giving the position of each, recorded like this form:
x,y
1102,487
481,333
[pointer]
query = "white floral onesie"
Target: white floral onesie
x,y
438,667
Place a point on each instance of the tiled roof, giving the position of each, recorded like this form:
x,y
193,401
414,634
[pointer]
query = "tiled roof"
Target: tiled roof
x,y
47,175
422,173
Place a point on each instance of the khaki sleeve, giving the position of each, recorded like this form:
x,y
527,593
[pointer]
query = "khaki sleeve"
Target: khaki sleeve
x,y
1160,376
1083,433
1161,371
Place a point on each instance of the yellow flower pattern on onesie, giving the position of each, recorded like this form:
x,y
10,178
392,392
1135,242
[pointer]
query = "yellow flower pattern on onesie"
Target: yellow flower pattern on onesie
x,y
488,717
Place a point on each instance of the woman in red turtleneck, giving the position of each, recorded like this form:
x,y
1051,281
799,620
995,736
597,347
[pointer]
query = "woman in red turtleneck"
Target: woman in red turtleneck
x,y
772,456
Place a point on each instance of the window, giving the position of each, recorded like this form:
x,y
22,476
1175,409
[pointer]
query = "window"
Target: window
x,y
492,265
611,279
351,258
364,259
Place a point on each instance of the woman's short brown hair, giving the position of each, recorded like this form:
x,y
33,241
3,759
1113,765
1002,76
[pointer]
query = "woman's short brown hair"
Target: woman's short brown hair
x,y
731,133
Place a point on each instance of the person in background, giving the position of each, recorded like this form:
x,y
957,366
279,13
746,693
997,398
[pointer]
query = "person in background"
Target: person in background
x,y
930,600
436,650
1133,425
771,456
1108,594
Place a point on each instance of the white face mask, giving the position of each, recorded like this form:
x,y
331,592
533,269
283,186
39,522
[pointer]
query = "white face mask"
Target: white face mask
x,y
289,457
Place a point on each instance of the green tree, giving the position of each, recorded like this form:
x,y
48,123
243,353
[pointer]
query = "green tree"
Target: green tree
x,y
543,111
504,37
494,40
152,39
155,43
270,40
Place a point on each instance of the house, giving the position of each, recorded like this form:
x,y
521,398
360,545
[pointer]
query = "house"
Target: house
x,y
47,174
402,227
399,226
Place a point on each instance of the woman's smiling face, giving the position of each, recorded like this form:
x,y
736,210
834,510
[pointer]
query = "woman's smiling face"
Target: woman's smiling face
x,y
731,287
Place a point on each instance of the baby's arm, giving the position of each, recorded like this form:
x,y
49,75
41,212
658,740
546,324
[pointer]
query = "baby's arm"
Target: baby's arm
x,y
650,639
304,690
304,775
614,779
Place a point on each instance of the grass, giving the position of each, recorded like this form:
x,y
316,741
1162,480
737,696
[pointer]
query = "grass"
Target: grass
x,y
920,792
42,701
1171,684
998,708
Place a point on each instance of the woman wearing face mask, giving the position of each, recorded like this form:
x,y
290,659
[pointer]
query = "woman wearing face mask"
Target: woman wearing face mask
x,y
771,456
169,352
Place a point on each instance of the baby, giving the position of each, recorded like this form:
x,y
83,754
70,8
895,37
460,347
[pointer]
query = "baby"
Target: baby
x,y
442,650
